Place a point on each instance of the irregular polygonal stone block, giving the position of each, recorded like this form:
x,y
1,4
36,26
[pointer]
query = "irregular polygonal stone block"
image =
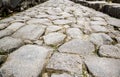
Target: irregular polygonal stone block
x,y
100,39
15,26
7,44
66,62
77,46
103,67
109,51
5,32
27,61
54,38
74,33
30,32
62,22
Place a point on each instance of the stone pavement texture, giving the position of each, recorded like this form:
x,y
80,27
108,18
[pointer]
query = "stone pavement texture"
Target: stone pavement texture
x,y
60,38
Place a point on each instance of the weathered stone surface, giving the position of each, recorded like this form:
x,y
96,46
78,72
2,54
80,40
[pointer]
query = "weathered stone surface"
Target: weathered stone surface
x,y
53,29
5,32
27,61
54,38
31,32
2,26
7,44
98,28
66,62
15,26
114,22
77,46
62,22
100,39
74,32
38,21
102,23
103,67
61,75
109,51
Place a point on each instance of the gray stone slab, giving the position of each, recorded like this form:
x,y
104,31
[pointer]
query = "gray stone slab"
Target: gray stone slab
x,y
15,26
5,32
3,25
109,51
77,46
74,33
54,38
100,39
103,67
27,61
7,44
30,32
62,22
114,22
66,62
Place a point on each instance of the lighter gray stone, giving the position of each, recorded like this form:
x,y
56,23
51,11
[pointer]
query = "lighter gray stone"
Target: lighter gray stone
x,y
66,62
15,26
53,29
38,21
27,61
61,75
100,39
77,46
74,33
2,26
5,32
102,23
109,51
7,44
114,22
30,32
98,28
62,22
103,67
54,38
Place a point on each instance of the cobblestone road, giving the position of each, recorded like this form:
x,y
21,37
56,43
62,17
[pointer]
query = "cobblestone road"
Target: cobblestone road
x,y
60,39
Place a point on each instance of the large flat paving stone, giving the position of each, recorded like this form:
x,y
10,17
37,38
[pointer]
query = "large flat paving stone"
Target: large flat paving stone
x,y
103,67
27,61
66,62
114,22
15,26
54,38
74,33
100,39
3,25
77,46
5,32
38,21
29,32
109,51
7,44
62,22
